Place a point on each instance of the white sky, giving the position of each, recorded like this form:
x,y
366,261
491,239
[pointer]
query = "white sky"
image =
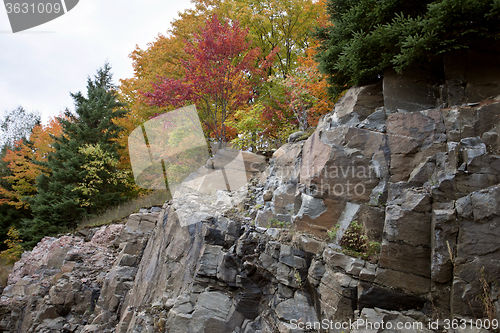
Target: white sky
x,y
41,66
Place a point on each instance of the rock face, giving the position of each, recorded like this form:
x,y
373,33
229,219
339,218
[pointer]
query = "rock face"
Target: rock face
x,y
58,283
425,187
420,184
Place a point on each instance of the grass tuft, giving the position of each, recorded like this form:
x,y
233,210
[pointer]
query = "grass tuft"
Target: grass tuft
x,y
119,214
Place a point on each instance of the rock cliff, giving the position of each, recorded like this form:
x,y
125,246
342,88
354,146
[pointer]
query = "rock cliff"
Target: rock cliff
x,y
386,214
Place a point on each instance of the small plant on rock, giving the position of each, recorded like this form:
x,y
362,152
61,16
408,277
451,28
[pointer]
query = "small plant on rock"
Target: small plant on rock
x,y
275,223
298,278
159,324
332,233
486,297
354,238
372,252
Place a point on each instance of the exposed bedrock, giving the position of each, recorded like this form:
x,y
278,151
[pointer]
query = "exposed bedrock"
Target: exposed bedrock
x,y
408,166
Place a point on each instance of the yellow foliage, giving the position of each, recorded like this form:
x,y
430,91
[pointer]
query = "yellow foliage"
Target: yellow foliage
x,y
14,248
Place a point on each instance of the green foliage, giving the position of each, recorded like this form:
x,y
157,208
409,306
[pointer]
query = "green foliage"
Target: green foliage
x,y
373,248
369,36
79,183
249,126
298,278
354,238
275,223
100,173
355,243
14,248
332,233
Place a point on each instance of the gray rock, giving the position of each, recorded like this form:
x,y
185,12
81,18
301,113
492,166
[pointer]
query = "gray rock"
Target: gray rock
x,y
297,308
311,206
209,260
375,121
413,91
295,136
263,218
360,100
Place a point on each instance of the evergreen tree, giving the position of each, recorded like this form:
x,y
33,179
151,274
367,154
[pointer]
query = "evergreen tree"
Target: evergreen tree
x,y
367,37
61,200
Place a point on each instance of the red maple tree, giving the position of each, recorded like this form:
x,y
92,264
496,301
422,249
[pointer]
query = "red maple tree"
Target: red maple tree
x,y
220,75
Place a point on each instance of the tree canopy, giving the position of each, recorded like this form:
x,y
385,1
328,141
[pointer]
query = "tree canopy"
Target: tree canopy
x,y
218,75
367,37
82,175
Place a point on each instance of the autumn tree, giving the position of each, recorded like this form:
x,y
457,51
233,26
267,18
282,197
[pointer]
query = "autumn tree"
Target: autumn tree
x,y
218,76
283,25
14,249
294,102
15,129
15,126
101,173
272,24
161,58
22,163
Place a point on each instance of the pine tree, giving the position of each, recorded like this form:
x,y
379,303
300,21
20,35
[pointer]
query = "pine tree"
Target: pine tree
x,y
367,37
60,201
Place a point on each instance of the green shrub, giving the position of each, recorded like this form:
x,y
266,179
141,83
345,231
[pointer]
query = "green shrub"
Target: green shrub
x,y
355,243
354,238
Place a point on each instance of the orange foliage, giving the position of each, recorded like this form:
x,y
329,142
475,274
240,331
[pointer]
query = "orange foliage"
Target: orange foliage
x,y
21,162
162,58
316,85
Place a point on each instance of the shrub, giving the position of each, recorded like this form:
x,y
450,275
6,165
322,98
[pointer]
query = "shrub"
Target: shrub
x,y
354,238
14,248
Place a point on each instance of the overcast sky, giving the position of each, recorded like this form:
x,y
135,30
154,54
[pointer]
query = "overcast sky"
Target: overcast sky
x,y
41,66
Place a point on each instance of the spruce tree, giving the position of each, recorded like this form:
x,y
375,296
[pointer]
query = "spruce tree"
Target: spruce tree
x,y
367,37
61,201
